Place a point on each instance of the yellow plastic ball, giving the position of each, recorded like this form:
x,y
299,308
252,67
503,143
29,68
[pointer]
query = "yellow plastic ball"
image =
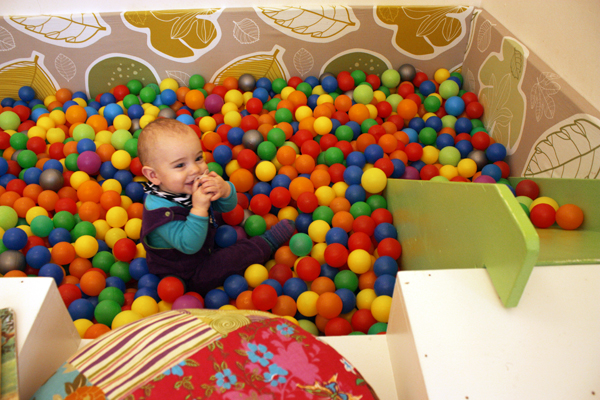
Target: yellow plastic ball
x,y
207,124
78,178
430,155
145,306
46,122
449,171
122,122
374,180
365,298
58,116
145,120
113,235
325,195
322,125
140,251
227,107
120,159
380,308
291,319
124,318
82,325
359,261
164,306
26,229
169,83
116,217
318,252
467,167
265,171
372,111
286,91
379,96
234,96
303,112
126,202
112,184
256,274
233,119
231,167
324,98
101,228
288,212
228,307
307,303
34,212
317,230
318,90
441,75
340,189
80,101
49,100
133,227
247,96
86,246
55,135
544,200
37,131
103,137
270,264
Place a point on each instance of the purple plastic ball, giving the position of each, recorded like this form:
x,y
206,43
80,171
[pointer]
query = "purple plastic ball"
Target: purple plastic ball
x,y
89,162
213,103
241,233
484,179
186,301
411,173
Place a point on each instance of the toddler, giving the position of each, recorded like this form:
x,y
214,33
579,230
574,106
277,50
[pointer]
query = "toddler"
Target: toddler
x,y
177,224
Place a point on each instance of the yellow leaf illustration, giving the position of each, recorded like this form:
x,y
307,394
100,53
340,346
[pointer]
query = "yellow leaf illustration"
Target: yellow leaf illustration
x,y
259,65
182,35
317,24
74,30
424,32
26,73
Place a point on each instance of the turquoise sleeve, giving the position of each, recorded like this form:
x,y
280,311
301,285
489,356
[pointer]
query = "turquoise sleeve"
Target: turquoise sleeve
x,y
228,203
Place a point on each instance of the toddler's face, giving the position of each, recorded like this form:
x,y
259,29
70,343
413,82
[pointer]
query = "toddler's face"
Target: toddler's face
x,y
178,162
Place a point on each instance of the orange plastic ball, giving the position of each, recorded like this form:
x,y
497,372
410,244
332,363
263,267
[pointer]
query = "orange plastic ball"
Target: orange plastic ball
x,y
194,99
98,122
320,178
300,185
569,216
388,143
105,151
95,331
339,204
63,95
22,205
244,301
79,266
92,283
110,199
342,219
89,211
305,164
242,179
286,155
329,305
407,109
75,114
9,198
364,141
343,103
322,285
285,305
63,253
32,191
210,140
47,199
358,113
90,191
284,256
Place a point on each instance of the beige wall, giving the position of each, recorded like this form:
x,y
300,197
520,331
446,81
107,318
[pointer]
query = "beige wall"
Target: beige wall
x,y
564,33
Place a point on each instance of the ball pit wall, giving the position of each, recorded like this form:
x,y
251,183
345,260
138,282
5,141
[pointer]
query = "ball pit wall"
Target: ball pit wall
x,y
455,225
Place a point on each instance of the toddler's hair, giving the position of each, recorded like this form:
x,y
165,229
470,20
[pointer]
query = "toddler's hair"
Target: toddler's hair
x,y
159,128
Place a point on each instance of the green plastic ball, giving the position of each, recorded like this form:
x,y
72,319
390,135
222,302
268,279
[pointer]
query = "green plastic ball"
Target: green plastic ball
x,y
477,123
215,167
448,121
394,100
113,294
201,112
427,136
367,124
301,244
377,201
278,85
377,327
196,82
439,178
363,94
255,225
84,131
134,86
271,105
71,162
106,311
64,219
360,208
8,217
18,141
358,76
130,100
283,115
346,279
344,132
41,226
305,88
81,229
103,260
432,104
27,159
449,155
321,157
120,269
276,136
333,155
131,147
390,78
266,150
119,138
448,88
323,213
147,94
9,120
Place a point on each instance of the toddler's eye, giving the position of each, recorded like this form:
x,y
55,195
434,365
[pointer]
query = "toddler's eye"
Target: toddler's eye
x,y
199,158
179,165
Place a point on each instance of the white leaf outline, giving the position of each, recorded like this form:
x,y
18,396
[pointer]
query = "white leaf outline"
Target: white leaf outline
x,y
246,31
65,67
7,41
181,77
541,95
303,61
484,37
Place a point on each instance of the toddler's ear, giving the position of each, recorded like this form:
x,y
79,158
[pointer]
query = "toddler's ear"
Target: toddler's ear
x,y
151,175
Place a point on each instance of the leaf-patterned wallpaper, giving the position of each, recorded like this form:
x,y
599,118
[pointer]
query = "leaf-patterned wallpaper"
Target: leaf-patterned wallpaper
x,y
529,108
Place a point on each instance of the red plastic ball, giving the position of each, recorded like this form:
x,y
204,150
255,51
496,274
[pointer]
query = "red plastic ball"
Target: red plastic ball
x,y
129,298
469,97
281,273
428,172
474,109
56,151
69,293
311,147
66,204
308,269
362,320
381,215
336,172
170,288
419,78
327,141
302,136
260,204
336,255
384,109
248,123
307,202
414,151
36,144
243,200
345,147
543,215
359,240
480,140
345,81
338,327
264,297
235,216
504,167
280,197
16,185
294,81
386,165
254,106
247,159
528,188
364,224
124,249
390,247
120,91
136,166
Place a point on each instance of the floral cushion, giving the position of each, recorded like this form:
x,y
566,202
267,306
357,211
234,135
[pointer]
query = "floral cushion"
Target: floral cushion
x,y
200,354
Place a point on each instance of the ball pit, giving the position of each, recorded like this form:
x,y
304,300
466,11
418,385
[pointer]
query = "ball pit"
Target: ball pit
x,y
317,151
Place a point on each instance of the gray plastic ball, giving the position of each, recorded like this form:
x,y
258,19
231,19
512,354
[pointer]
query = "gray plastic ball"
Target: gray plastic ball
x,y
407,72
479,157
246,83
167,113
15,155
135,125
252,139
12,260
52,179
324,75
247,214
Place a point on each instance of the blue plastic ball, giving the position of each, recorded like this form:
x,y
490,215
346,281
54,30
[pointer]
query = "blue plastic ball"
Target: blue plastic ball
x,y
373,152
148,280
3,166
4,179
303,221
328,271
464,147
32,175
116,282
492,170
111,111
355,193
51,270
356,158
79,95
138,267
312,81
225,236
26,93
135,111
293,287
7,102
234,285
215,299
107,170
264,83
14,239
81,309
454,106
281,180
384,285
353,175
124,177
312,101
416,124
168,97
38,256
385,265
495,152
427,87
385,230
275,285
348,299
135,191
463,125
94,104
186,119
235,135
413,136
356,129
434,122
399,168
222,154
261,188
336,235
444,140
58,235
38,112
107,98
86,145
147,291
418,165
90,111
102,246
329,84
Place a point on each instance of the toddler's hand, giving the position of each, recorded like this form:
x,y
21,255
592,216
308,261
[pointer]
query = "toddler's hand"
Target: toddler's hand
x,y
213,183
200,199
